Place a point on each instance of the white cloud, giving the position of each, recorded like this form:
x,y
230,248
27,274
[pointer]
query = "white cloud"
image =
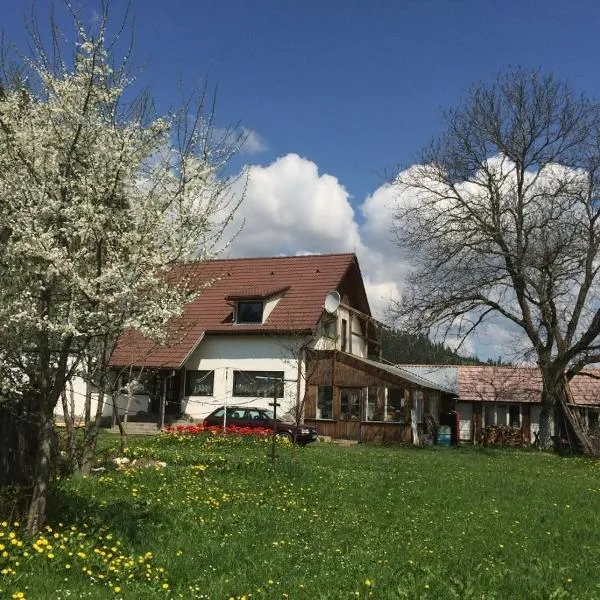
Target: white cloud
x,y
292,208
253,144
289,208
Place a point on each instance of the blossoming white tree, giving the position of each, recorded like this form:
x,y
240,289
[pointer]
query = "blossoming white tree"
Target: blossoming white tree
x,y
99,199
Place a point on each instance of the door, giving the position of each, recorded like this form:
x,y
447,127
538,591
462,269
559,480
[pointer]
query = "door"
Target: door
x,y
348,426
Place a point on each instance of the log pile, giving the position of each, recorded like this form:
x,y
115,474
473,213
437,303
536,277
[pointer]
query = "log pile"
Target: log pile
x,y
501,435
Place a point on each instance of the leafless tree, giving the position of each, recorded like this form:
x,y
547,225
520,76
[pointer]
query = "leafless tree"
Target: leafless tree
x,y
501,216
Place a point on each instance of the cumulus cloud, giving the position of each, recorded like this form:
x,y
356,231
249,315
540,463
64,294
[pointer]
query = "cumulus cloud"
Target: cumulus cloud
x,y
290,207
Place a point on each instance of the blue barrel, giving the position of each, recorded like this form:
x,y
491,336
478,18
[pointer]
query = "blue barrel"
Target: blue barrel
x,y
444,435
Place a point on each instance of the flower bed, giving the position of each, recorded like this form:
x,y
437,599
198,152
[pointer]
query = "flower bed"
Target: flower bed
x,y
198,429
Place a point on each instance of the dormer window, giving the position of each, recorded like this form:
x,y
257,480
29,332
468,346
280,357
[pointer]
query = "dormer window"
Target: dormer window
x,y
249,311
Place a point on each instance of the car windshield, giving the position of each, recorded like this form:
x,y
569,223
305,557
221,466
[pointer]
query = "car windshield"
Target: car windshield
x,y
269,414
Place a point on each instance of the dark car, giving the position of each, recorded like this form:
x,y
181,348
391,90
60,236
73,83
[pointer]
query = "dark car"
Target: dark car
x,y
244,416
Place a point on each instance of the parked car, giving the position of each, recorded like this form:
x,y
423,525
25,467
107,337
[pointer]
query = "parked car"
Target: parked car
x,y
244,416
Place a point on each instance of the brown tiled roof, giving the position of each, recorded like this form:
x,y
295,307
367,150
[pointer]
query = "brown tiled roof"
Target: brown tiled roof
x,y
303,282
519,384
257,293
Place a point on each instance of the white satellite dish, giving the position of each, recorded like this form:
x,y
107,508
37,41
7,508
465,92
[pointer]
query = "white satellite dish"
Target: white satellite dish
x,y
332,302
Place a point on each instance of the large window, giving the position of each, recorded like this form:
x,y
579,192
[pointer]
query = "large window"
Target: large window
x,y
396,402
199,383
386,404
502,414
489,415
350,404
375,404
256,384
325,402
249,312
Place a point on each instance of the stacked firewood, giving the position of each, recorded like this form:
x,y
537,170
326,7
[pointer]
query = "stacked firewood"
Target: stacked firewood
x,y
501,435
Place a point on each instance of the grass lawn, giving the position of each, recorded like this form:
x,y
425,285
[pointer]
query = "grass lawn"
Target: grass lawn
x,y
221,521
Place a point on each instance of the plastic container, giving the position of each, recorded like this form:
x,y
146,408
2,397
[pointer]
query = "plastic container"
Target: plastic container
x,y
444,435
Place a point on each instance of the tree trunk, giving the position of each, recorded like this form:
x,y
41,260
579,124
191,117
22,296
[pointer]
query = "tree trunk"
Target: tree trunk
x,y
546,422
92,428
552,388
43,464
122,429
68,406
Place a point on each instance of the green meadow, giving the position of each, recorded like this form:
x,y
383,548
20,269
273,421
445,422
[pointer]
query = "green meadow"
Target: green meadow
x,y
222,521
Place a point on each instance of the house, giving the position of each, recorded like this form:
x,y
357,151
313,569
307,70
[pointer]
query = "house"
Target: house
x,y
511,396
359,398
261,327
265,327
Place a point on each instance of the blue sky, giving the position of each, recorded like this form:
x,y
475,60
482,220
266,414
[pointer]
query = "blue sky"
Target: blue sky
x,y
338,92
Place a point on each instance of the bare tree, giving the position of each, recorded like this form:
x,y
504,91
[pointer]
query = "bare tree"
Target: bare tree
x,y
501,217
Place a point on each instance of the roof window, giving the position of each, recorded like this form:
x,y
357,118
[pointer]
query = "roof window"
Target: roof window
x,y
249,311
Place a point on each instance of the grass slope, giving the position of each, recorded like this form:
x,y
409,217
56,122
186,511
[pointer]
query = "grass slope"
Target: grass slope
x,y
221,521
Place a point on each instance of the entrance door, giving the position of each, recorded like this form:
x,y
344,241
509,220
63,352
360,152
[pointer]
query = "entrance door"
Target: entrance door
x,y
348,426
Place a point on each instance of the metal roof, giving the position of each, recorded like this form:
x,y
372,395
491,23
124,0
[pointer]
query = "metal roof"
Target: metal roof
x,y
422,379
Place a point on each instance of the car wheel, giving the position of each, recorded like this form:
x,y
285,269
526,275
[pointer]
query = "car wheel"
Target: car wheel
x,y
286,435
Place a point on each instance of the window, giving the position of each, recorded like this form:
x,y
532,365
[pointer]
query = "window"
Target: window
x,y
502,414
256,384
350,404
419,405
254,414
140,384
249,312
344,338
395,405
328,326
325,402
199,383
514,415
235,414
593,418
386,404
375,404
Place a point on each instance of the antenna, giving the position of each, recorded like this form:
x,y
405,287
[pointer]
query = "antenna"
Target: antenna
x,y
332,302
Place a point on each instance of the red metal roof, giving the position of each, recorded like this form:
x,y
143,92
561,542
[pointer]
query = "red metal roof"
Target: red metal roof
x,y
303,282
520,384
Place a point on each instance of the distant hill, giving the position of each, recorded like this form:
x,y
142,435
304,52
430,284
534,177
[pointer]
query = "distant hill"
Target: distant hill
x,y
399,347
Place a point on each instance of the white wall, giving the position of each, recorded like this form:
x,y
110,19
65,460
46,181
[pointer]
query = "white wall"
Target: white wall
x,y
226,353
76,390
75,394
358,343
